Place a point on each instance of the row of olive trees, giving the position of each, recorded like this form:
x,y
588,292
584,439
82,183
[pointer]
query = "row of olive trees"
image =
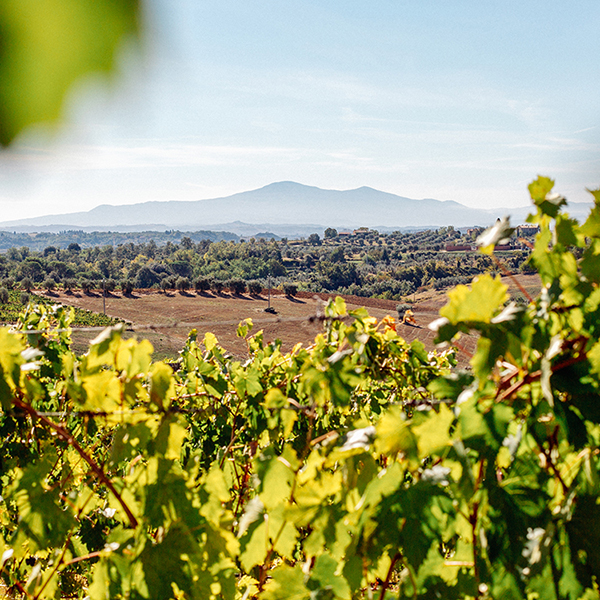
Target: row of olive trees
x,y
181,284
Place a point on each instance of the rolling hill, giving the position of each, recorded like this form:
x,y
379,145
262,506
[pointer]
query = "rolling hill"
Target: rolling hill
x,y
276,207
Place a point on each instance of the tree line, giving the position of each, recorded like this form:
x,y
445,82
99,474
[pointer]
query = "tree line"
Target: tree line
x,y
368,263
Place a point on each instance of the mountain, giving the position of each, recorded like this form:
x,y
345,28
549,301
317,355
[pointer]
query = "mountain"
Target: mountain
x,y
278,204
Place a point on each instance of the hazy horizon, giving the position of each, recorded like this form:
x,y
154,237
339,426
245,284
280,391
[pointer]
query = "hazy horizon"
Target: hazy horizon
x,y
463,101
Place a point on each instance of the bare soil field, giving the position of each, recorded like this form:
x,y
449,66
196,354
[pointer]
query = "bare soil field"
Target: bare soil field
x,y
166,319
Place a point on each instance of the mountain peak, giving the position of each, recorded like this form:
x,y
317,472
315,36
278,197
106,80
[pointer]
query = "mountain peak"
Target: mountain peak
x,y
279,203
286,186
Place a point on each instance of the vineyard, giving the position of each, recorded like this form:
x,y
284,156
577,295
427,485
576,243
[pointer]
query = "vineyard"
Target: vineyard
x,y
14,305
360,466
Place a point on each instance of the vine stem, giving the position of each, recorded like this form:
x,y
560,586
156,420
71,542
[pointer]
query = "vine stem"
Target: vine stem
x,y
386,583
66,435
474,517
572,360
61,562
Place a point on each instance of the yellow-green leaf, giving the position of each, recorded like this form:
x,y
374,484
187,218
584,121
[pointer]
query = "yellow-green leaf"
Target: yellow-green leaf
x,y
479,303
49,44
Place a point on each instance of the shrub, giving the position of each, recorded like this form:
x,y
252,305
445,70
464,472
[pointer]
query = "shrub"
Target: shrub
x,y
4,295
86,285
27,284
25,297
110,285
290,289
69,284
182,284
127,287
202,284
401,309
236,286
217,286
255,288
49,284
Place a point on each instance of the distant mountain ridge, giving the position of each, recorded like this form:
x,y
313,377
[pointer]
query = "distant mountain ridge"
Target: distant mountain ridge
x,y
278,204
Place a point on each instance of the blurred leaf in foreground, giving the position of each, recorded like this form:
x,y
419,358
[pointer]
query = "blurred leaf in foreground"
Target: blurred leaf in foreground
x,y
45,45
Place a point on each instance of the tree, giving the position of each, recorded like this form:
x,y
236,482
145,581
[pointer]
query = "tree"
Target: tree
x,y
146,278
202,284
186,243
330,233
27,284
69,284
49,284
127,287
290,289
255,288
337,255
314,239
86,285
236,286
182,284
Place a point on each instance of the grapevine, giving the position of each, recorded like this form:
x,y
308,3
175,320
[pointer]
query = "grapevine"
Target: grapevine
x,y
359,467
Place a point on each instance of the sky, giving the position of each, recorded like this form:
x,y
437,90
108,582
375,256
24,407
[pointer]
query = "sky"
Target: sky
x,y
454,100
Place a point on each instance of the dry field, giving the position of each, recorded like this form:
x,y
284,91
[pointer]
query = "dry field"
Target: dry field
x,y
166,319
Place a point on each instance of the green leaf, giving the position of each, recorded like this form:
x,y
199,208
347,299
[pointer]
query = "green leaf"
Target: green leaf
x,y
478,303
323,577
11,346
286,583
540,188
433,434
170,437
395,435
162,388
46,46
548,203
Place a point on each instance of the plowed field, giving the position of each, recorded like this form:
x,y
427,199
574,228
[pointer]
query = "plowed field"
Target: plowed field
x,y
166,319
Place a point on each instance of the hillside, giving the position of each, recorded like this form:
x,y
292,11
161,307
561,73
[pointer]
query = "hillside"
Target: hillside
x,y
283,203
166,319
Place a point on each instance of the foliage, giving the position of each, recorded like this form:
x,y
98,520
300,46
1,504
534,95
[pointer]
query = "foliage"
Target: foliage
x,y
12,307
182,284
127,287
367,264
236,286
290,289
358,467
255,288
46,46
402,308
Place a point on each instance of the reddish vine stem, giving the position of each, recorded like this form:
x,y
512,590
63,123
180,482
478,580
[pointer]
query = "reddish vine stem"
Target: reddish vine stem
x,y
68,437
386,583
536,375
548,458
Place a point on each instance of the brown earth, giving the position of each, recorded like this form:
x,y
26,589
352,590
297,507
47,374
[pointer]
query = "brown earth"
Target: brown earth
x,y
166,319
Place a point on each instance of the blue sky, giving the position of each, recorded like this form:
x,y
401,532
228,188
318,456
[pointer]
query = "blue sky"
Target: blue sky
x,y
461,100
